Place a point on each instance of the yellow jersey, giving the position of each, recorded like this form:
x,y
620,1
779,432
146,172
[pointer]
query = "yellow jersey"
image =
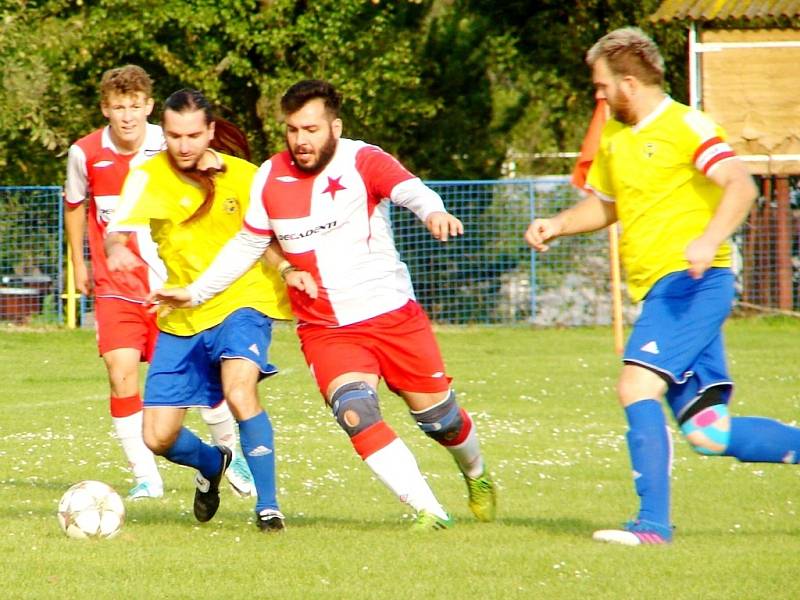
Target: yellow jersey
x,y
158,197
656,173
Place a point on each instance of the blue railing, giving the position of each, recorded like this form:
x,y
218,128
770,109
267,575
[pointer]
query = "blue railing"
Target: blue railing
x,y
487,276
31,254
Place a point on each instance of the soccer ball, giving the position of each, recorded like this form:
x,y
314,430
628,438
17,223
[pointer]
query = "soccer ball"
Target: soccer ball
x,y
91,509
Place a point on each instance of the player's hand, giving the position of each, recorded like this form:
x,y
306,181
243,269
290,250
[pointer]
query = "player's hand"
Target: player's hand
x,y
700,254
121,258
163,300
303,281
443,225
540,232
82,281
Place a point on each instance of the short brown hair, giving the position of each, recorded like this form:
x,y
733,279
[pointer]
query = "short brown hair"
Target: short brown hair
x,y
304,91
124,81
629,51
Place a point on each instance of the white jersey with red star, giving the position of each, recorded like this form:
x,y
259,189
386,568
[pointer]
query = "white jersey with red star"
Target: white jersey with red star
x,y
335,225
95,173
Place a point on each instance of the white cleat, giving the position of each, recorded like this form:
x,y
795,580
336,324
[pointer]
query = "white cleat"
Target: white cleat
x,y
616,536
146,489
240,478
636,533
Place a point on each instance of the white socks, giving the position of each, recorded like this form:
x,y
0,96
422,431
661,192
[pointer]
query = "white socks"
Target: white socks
x,y
468,455
221,425
141,460
397,468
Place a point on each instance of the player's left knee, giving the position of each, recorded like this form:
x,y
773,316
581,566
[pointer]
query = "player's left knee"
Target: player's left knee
x,y
443,422
242,400
709,430
355,407
158,441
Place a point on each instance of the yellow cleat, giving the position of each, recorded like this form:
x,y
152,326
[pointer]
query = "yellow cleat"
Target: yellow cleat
x,y
482,497
427,521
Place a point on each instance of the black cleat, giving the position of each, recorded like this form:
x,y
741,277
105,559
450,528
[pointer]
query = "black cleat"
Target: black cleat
x,y
270,520
206,496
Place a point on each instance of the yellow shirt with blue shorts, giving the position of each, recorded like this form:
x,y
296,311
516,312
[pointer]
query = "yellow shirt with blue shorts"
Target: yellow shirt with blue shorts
x,y
156,196
656,174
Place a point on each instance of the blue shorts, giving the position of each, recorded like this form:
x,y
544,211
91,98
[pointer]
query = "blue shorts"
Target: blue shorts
x,y
185,370
679,335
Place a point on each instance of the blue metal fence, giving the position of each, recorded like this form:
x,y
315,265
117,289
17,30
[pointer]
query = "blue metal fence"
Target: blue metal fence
x,y
487,276
31,254
490,275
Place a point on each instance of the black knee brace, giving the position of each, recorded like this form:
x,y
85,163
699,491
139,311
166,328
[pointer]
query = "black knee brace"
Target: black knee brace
x,y
355,406
442,422
711,397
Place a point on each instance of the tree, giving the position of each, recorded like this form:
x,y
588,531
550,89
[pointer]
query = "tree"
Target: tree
x,y
41,105
451,86
242,54
546,102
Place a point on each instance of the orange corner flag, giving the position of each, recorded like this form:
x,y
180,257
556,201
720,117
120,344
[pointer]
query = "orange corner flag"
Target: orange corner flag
x,y
591,142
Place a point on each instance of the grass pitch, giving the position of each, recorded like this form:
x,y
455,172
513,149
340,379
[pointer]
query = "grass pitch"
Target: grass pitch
x,y
544,403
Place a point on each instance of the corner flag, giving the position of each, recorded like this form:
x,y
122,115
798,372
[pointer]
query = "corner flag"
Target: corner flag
x,y
591,142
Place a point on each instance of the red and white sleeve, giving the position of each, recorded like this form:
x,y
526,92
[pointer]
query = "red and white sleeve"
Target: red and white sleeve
x,y
76,187
710,153
385,177
256,219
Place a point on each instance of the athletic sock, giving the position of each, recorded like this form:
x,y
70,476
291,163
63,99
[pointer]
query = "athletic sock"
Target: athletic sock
x,y
757,439
650,452
221,425
190,451
126,416
258,449
393,463
466,449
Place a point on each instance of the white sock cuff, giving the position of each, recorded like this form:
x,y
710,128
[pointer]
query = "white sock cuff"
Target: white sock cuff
x,y
218,414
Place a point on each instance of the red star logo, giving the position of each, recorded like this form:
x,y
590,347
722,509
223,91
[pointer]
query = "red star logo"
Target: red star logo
x,y
333,186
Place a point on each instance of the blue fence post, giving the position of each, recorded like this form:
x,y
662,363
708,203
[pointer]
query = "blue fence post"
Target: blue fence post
x,y
60,278
531,215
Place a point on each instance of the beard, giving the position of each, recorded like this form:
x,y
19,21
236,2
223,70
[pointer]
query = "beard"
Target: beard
x,y
622,111
324,156
186,168
189,166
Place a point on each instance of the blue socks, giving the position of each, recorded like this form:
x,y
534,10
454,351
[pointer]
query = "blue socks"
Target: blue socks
x,y
752,439
189,451
649,448
256,438
756,439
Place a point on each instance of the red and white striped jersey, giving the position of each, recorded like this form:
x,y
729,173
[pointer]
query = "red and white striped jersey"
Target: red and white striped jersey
x,y
335,225
95,173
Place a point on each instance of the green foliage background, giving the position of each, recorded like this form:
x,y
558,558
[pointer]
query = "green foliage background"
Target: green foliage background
x,y
452,87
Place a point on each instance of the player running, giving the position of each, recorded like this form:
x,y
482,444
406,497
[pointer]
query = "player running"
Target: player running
x,y
667,174
193,199
126,333
324,200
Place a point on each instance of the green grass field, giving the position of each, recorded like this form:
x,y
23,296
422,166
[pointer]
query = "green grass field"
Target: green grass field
x,y
554,436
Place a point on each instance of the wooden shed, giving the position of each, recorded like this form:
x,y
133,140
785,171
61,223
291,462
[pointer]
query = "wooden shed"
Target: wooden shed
x,y
743,59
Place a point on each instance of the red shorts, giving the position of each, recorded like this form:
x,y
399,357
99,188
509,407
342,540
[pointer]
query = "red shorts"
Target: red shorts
x,y
124,324
398,346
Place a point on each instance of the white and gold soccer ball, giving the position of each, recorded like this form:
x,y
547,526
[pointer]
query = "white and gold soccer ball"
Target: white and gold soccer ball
x,y
91,509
